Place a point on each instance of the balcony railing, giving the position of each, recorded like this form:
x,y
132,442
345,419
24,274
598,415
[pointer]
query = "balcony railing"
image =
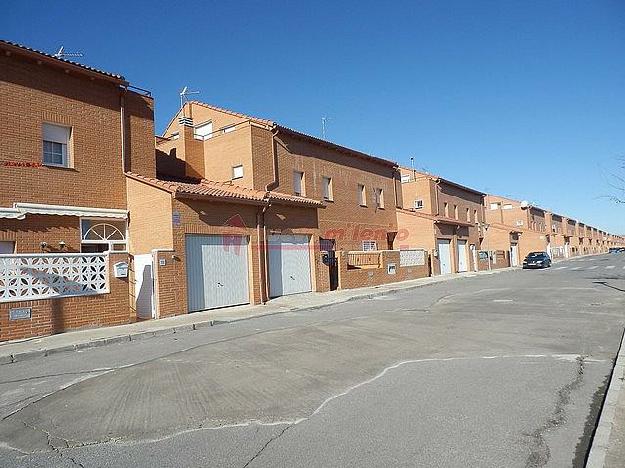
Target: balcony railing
x,y
358,259
27,277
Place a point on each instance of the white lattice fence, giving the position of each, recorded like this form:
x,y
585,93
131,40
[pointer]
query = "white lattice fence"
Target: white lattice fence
x,y
414,257
26,277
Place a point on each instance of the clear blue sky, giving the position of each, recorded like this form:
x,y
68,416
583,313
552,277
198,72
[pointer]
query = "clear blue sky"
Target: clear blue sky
x,y
524,99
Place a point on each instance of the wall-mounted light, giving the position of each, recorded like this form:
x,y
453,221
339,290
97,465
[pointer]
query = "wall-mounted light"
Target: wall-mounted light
x,y
62,244
43,245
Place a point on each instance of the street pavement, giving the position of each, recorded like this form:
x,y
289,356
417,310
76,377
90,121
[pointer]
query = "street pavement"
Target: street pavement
x,y
492,371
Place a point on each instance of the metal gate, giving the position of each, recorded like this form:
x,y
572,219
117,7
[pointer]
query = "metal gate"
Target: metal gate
x,y
444,255
289,264
217,271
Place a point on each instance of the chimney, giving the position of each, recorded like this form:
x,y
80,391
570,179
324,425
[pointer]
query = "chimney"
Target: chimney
x,y
193,149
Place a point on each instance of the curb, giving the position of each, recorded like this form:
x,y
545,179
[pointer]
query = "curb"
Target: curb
x,y
601,439
143,335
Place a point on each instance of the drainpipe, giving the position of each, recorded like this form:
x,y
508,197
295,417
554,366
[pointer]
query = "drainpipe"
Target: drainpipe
x,y
261,232
122,112
266,252
274,157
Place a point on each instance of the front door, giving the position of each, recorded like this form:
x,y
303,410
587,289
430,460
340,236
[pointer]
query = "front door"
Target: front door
x,y
514,255
444,255
144,286
462,256
473,256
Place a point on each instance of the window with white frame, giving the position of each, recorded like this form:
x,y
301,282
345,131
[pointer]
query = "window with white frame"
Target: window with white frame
x,y
56,140
468,215
379,198
175,135
495,206
417,204
446,209
237,172
298,183
7,247
405,178
101,235
203,131
228,129
327,188
507,206
369,245
362,195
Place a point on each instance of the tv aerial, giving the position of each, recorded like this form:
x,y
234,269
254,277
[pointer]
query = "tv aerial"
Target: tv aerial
x,y
184,95
61,54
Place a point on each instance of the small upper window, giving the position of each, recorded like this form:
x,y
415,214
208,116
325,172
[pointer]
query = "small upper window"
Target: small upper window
x,y
455,211
468,215
369,245
203,131
475,220
495,206
405,178
175,135
229,129
298,183
237,172
327,188
379,198
446,209
418,204
56,144
362,195
507,206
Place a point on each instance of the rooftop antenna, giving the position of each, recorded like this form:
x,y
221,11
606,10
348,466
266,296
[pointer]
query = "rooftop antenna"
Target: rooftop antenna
x,y
414,174
324,121
183,95
61,54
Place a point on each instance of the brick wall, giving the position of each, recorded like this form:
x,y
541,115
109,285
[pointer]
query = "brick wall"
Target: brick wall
x,y
32,94
357,278
50,316
499,259
28,233
150,222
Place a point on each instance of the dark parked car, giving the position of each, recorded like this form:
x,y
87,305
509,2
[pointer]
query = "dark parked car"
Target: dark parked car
x,y
616,249
537,260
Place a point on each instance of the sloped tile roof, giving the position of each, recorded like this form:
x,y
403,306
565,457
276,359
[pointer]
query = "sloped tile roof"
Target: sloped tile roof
x,y
236,114
62,60
223,191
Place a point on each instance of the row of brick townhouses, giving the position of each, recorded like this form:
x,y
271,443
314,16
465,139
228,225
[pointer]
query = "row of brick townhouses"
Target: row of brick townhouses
x,y
102,223
519,228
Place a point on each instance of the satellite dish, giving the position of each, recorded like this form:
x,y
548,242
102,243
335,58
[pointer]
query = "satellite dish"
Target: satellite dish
x,y
525,204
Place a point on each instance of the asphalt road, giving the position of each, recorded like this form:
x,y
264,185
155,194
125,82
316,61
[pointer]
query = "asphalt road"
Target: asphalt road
x,y
489,371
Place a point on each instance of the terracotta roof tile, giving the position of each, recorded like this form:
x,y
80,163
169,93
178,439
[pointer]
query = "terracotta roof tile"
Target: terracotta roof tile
x,y
236,114
223,191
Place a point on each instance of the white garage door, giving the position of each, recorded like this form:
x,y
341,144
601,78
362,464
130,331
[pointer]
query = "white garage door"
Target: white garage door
x,y
289,265
217,271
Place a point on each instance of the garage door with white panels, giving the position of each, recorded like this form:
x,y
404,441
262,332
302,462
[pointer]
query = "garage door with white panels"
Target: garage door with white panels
x,y
217,271
289,264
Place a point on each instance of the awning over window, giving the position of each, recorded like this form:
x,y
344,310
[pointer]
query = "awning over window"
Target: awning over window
x,y
20,210
11,213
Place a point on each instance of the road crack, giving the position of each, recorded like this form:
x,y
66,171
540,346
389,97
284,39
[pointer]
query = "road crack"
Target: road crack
x,y
270,441
540,452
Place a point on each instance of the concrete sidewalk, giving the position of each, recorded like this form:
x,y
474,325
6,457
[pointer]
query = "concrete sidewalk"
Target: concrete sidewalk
x,y
20,350
608,444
